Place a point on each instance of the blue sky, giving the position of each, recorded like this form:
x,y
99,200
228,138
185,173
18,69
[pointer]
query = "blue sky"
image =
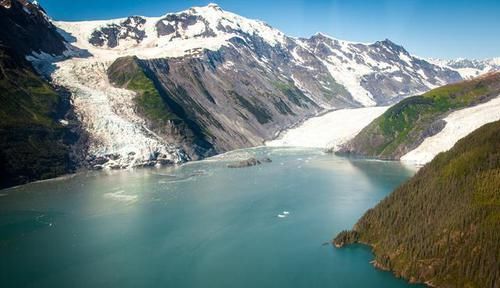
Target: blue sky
x,y
428,28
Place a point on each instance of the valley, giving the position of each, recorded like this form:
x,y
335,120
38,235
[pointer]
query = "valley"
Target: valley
x,y
226,58
204,148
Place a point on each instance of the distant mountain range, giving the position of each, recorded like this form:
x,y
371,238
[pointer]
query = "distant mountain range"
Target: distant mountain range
x,y
187,85
469,68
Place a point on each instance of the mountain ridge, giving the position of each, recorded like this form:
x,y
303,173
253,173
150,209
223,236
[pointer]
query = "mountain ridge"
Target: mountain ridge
x,y
210,27
470,68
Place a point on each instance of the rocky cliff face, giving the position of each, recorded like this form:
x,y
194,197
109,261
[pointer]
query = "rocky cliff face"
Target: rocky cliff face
x,y
39,134
222,105
112,34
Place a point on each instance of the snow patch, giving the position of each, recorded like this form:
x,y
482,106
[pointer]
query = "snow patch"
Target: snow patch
x,y
398,78
405,58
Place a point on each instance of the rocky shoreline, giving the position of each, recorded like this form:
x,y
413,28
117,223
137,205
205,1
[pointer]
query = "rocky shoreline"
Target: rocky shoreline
x,y
346,238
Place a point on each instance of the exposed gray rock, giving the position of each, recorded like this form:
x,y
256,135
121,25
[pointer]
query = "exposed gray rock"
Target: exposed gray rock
x,y
249,162
266,160
396,74
236,107
432,130
173,24
110,35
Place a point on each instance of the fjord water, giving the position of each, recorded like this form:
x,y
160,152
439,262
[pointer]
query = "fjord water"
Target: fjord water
x,y
198,225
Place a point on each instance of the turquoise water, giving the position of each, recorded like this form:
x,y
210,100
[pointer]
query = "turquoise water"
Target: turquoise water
x,y
199,225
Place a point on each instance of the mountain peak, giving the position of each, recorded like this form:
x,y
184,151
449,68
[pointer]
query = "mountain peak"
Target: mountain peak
x,y
391,45
210,8
213,6
388,42
321,35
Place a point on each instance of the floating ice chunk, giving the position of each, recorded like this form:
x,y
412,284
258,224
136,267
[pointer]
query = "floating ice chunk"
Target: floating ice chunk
x,y
121,196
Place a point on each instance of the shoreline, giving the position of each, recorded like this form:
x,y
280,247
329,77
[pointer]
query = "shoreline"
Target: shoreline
x,y
218,157
381,267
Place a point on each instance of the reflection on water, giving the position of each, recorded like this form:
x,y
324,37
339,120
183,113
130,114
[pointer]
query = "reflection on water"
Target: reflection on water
x,y
198,225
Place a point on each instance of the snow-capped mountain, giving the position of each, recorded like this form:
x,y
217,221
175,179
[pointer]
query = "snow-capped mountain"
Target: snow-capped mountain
x,y
470,68
225,81
377,73
371,73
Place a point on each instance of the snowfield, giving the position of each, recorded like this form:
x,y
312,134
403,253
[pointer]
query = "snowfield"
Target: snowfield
x,y
329,130
155,46
458,125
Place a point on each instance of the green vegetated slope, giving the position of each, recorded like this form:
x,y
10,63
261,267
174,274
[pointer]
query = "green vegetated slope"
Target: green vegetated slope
x,y
125,72
405,125
32,144
443,225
